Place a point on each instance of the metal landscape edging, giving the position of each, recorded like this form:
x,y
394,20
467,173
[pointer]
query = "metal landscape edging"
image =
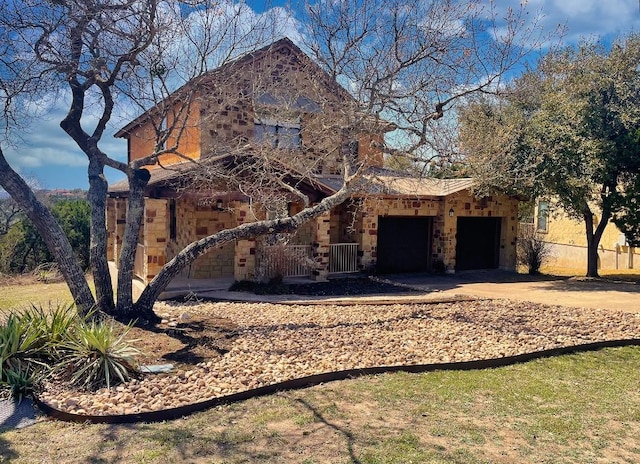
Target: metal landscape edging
x,y
308,381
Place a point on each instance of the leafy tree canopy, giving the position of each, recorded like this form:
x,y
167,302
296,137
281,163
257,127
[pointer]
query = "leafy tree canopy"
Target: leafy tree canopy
x,y
568,129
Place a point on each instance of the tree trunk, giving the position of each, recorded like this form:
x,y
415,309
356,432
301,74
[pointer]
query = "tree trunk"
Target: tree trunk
x,y
51,232
135,213
593,239
97,197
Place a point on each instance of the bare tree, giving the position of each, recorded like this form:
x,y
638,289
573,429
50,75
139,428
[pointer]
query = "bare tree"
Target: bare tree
x,y
401,62
9,214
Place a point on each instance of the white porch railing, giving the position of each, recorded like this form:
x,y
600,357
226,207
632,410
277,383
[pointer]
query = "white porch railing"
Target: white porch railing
x,y
138,264
343,257
297,260
289,261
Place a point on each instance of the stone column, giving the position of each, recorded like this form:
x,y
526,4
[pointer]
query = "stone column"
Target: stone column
x,y
322,239
156,233
508,233
449,231
367,235
111,228
244,263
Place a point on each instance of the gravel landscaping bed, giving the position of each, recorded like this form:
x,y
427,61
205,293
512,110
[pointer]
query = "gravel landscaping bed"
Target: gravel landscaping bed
x,y
278,342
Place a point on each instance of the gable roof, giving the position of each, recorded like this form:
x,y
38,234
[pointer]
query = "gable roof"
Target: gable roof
x,y
246,59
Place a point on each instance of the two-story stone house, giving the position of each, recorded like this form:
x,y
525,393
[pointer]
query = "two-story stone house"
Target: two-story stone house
x,y
278,108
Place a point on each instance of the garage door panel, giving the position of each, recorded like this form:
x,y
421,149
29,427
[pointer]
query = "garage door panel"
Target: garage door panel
x,y
477,243
404,244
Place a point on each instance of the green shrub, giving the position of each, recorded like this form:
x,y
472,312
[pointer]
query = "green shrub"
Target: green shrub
x,y
24,347
97,353
52,325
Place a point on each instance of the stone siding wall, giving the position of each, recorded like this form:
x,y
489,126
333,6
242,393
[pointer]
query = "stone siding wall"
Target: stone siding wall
x,y
111,228
185,136
344,220
285,87
372,208
155,235
244,266
119,214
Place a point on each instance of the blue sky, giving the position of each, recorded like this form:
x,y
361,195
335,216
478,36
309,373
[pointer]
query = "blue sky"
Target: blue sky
x,y
46,153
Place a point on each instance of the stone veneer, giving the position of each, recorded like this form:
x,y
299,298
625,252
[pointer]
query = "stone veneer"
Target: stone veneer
x,y
154,236
464,204
244,265
196,220
320,246
116,219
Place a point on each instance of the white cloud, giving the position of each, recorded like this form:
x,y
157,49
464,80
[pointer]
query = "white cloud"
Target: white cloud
x,y
42,142
583,18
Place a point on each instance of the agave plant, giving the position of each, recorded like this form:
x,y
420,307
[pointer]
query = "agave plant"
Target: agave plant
x,y
97,353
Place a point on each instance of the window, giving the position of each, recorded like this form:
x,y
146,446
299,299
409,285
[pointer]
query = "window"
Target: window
x,y
278,134
173,220
543,216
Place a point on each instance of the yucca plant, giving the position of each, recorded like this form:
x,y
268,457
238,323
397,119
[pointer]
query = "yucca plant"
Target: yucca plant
x,y
24,347
20,379
53,324
96,354
20,342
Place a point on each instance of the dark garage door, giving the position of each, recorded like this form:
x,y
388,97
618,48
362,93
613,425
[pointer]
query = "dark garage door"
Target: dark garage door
x,y
477,243
404,244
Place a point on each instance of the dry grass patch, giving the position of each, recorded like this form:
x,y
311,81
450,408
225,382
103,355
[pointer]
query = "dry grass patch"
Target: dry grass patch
x,y
23,290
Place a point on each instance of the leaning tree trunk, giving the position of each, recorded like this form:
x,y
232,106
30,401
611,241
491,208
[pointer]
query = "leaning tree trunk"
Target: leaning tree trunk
x,y
51,233
244,231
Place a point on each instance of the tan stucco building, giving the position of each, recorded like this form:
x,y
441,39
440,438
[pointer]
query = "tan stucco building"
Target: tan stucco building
x,y
568,241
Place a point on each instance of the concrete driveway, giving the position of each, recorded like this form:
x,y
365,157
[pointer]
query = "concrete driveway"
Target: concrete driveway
x,y
540,289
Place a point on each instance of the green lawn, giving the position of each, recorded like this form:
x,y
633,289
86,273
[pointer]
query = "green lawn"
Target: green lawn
x,y
582,408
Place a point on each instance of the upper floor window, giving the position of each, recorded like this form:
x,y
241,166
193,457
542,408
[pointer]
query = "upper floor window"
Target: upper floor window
x,y
543,216
278,134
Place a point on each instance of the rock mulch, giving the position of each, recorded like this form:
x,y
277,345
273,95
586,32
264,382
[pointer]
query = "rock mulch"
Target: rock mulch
x,y
279,342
